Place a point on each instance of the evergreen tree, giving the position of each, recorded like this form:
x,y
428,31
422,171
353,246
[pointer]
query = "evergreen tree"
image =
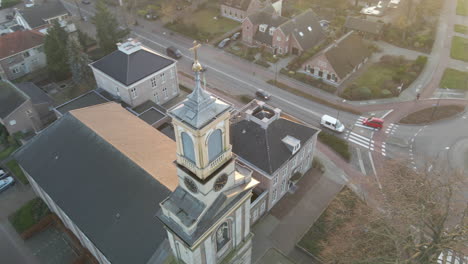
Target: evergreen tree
x,y
108,32
78,61
55,47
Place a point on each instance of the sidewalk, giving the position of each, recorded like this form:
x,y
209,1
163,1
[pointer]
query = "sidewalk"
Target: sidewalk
x,y
293,215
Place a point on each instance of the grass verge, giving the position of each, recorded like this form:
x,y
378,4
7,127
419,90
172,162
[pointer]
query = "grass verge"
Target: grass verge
x,y
460,29
302,77
454,79
339,145
331,220
16,170
6,152
432,114
28,215
462,7
312,97
459,50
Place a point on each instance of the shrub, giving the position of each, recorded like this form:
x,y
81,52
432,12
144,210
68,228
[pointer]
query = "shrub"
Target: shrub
x,y
9,3
339,145
364,93
262,62
386,93
421,61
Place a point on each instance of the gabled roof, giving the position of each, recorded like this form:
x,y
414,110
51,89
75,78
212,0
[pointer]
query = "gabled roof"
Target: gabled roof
x,y
13,43
10,98
130,68
266,16
102,178
363,25
305,28
36,15
346,53
264,147
35,93
238,4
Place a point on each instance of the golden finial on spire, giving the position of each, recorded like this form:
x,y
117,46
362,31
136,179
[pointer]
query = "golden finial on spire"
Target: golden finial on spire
x,y
196,67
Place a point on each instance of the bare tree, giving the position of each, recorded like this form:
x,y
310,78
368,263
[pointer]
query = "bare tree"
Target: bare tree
x,y
414,217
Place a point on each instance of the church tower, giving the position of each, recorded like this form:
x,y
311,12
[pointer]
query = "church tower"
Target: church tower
x,y
207,217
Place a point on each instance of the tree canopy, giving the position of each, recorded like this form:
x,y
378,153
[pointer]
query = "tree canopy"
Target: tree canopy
x,y
56,52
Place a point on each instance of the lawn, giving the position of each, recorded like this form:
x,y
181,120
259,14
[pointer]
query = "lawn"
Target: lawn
x,y
459,50
28,215
382,79
201,25
330,221
454,79
432,114
6,152
16,170
462,7
461,29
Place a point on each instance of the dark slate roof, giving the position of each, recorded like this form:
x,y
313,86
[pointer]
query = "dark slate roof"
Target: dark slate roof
x,y
363,25
347,53
110,198
301,23
238,4
263,147
88,99
10,99
130,68
268,18
35,93
36,15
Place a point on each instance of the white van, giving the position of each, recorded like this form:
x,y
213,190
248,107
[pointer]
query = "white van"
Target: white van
x,y
332,123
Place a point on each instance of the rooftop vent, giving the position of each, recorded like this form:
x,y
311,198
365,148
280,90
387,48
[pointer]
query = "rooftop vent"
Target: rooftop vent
x,y
263,114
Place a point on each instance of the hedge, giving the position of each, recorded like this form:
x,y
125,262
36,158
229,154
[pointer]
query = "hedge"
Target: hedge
x,y
339,145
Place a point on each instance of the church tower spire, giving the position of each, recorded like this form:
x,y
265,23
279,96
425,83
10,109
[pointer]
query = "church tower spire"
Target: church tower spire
x,y
207,217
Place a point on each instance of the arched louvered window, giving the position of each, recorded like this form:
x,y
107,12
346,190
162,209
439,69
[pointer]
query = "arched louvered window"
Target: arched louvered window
x,y
187,145
215,144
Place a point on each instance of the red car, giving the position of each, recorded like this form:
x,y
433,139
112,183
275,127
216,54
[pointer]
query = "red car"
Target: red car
x,y
373,122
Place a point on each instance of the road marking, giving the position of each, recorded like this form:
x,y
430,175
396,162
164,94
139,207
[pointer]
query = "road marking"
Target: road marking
x,y
361,163
363,137
358,143
374,170
363,126
386,114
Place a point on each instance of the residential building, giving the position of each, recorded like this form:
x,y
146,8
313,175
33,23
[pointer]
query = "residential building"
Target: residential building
x,y
281,35
366,28
240,9
278,149
338,61
21,52
104,172
42,14
24,107
136,74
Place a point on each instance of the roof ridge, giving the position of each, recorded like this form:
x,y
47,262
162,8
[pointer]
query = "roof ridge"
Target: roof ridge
x,y
268,150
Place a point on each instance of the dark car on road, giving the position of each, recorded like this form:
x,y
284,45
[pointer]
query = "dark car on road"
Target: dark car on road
x,y
173,52
262,94
224,43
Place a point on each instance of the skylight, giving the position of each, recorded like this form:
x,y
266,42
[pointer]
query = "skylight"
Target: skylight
x,y
309,28
301,34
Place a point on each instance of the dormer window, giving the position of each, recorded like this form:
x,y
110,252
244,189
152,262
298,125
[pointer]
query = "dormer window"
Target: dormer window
x,y
272,29
292,143
263,27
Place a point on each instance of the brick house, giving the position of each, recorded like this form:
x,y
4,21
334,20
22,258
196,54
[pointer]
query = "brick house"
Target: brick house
x,y
41,15
24,107
21,52
240,9
366,28
136,74
339,60
281,35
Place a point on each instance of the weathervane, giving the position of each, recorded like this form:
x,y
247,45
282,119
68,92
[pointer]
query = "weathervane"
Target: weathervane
x,y
196,67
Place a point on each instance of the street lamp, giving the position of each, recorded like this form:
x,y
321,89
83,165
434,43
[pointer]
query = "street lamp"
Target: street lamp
x,y
438,102
276,70
338,114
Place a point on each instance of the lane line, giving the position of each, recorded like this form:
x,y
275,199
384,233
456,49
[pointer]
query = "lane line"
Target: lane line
x,y
361,163
386,114
375,172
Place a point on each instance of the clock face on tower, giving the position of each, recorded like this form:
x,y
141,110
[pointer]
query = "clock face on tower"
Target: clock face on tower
x,y
220,182
191,185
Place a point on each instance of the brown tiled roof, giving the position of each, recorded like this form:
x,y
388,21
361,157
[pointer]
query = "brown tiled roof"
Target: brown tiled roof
x,y
13,43
363,25
346,54
239,4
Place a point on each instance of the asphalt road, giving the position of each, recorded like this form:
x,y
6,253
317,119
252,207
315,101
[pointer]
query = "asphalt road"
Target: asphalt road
x,y
12,249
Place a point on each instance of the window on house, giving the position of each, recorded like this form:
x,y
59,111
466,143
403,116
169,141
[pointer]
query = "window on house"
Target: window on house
x,y
278,38
133,91
275,195
320,73
262,208
328,76
271,31
15,70
225,12
283,186
26,54
117,91
275,180
166,94
163,77
153,82
312,70
156,97
255,214
172,73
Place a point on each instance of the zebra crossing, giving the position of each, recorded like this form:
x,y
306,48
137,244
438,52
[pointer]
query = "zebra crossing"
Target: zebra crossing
x,y
360,140
391,129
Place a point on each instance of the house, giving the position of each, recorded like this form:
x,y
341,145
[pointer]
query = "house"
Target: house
x,y
366,28
132,195
41,16
278,150
24,107
338,61
136,74
21,52
240,9
281,35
